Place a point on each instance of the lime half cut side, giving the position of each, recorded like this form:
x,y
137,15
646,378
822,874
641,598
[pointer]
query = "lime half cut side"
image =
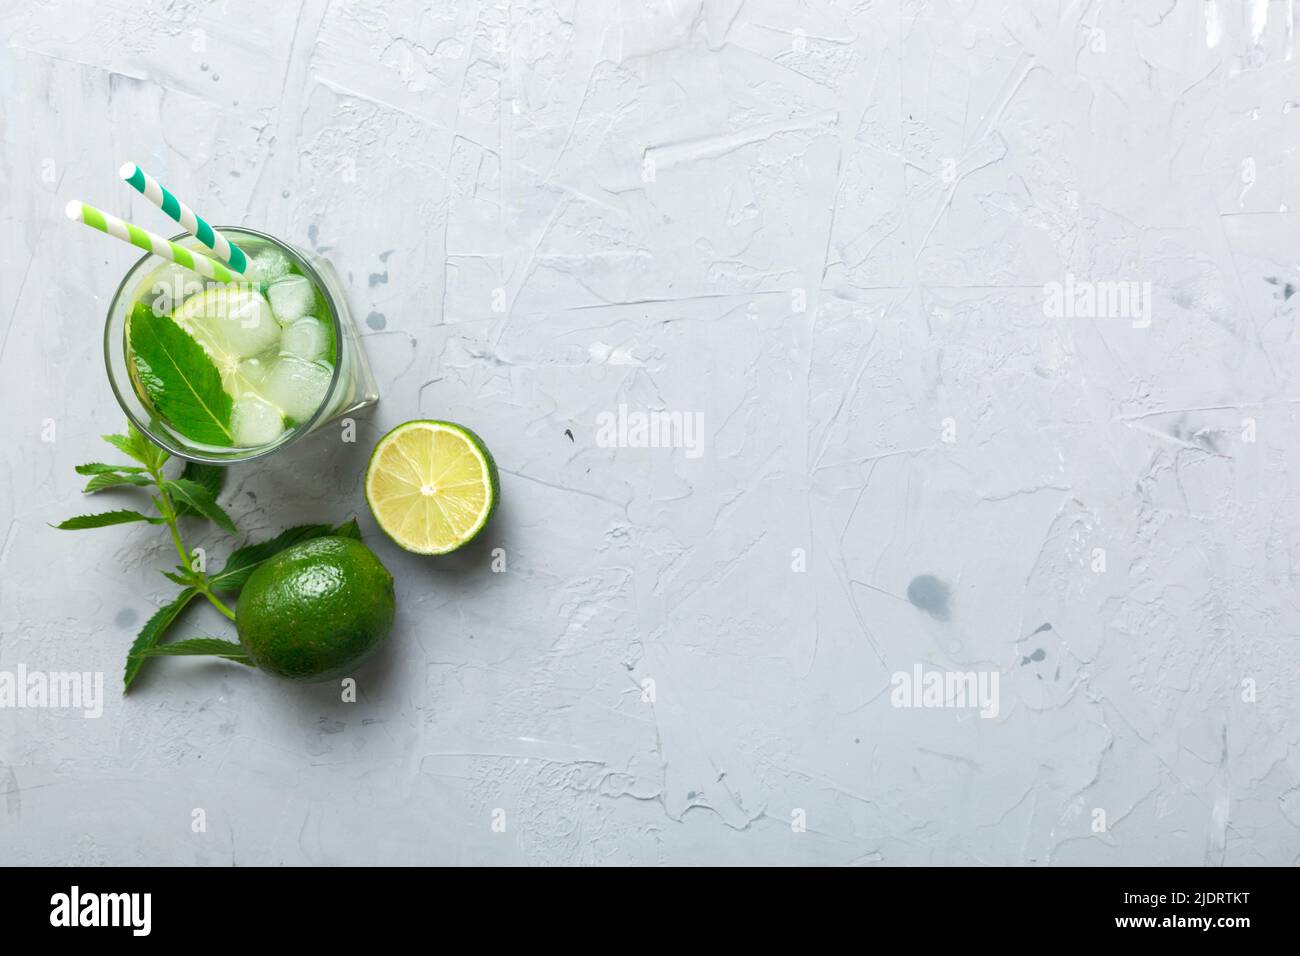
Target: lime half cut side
x,y
431,486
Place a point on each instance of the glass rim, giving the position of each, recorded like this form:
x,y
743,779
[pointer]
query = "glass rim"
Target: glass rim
x,y
166,441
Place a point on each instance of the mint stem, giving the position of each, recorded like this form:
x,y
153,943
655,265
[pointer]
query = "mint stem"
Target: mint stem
x,y
216,601
167,509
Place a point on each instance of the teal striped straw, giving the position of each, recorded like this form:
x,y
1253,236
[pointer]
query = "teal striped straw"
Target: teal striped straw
x,y
154,191
149,242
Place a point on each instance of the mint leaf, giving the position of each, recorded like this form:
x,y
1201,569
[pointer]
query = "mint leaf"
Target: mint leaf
x,y
151,633
125,445
82,522
200,500
211,477
196,646
180,379
182,576
348,529
243,562
134,445
98,468
109,479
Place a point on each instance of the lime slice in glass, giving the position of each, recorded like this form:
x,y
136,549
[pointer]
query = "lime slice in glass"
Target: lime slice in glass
x,y
232,324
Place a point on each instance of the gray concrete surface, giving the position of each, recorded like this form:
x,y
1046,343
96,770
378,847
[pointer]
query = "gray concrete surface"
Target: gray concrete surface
x,y
984,311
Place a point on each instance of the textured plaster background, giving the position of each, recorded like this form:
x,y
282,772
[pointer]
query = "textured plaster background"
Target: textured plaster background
x,y
824,227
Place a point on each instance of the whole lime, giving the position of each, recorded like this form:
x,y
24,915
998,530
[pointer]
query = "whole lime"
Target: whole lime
x,y
315,610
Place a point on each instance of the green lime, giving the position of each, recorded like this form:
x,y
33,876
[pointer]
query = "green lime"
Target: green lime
x,y
432,486
315,610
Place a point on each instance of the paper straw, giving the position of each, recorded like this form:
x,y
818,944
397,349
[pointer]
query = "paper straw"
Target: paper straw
x,y
154,191
149,242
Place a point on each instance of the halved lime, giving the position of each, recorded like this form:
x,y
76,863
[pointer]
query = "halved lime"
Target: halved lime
x,y
431,486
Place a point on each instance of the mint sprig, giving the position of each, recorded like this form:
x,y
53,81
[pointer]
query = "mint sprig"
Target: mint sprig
x,y
173,498
193,493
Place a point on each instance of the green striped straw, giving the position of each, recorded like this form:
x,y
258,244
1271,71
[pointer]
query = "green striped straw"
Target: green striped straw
x,y
149,242
154,191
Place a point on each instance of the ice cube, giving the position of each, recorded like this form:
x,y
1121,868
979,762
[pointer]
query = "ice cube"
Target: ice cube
x,y
296,386
291,298
247,325
254,370
267,266
233,321
305,339
254,421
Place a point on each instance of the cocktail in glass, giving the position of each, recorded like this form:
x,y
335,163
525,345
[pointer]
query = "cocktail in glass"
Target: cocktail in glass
x,y
281,338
